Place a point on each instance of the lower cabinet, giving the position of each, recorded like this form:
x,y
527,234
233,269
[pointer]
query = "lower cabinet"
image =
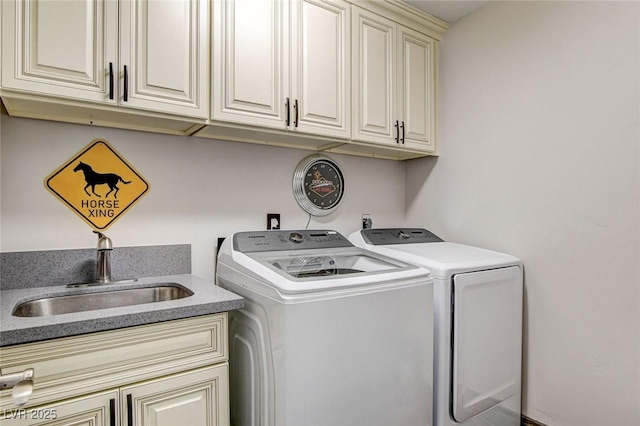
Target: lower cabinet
x,y
171,373
92,410
199,397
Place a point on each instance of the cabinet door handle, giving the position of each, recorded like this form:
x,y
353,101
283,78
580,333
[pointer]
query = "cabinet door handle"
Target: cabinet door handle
x,y
112,412
288,112
397,132
129,410
295,107
126,85
111,80
402,127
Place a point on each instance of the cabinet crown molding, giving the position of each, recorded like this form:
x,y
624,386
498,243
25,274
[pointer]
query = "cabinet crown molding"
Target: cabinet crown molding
x,y
398,10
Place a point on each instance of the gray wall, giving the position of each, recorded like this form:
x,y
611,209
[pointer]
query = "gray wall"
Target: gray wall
x,y
539,123
201,189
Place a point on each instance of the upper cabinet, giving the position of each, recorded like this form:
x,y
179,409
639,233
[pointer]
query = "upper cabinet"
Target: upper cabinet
x,y
146,55
350,76
394,84
164,54
320,67
60,48
283,65
416,90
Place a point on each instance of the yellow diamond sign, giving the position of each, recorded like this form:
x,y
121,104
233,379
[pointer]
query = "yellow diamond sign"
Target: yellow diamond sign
x,y
97,184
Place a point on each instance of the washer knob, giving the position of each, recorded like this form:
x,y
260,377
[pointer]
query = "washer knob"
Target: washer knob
x,y
403,235
295,237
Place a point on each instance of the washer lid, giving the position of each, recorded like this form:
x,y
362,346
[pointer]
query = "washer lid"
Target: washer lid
x,y
327,270
312,261
320,264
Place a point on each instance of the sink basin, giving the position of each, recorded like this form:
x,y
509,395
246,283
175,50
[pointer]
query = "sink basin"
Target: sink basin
x,y
102,300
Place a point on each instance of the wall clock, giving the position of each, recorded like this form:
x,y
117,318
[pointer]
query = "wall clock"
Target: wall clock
x,y
318,185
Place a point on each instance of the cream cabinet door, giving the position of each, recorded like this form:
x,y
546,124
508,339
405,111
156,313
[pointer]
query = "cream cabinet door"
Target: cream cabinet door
x,y
374,78
199,398
164,59
416,89
282,64
320,60
98,409
249,62
69,49
60,48
394,84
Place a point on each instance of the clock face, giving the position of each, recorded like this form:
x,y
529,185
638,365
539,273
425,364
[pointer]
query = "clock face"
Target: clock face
x,y
318,185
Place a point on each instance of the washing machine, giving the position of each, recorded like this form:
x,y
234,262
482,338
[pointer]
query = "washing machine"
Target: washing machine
x,y
478,324
330,334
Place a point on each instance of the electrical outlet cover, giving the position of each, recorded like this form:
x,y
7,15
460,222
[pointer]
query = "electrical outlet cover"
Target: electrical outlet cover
x,y
273,220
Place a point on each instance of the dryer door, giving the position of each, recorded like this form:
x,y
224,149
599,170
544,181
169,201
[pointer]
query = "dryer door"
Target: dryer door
x,y
487,339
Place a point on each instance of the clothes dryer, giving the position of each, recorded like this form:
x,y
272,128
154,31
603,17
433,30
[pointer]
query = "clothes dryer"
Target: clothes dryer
x,y
330,334
478,324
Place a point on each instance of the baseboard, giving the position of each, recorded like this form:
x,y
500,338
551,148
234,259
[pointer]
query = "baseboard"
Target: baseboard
x,y
526,421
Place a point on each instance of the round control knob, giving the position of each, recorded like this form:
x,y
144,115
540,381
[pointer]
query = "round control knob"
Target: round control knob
x,y
296,237
403,235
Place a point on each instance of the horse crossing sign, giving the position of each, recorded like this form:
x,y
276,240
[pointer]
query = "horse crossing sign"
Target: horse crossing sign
x,y
97,184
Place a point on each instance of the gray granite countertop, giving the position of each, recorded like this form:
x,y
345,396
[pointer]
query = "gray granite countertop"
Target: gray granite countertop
x,y
207,299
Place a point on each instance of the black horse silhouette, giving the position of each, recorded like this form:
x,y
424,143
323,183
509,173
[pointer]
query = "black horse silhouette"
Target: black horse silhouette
x,y
92,178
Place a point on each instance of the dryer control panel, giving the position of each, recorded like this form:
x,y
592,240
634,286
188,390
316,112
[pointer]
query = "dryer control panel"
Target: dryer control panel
x,y
379,237
258,241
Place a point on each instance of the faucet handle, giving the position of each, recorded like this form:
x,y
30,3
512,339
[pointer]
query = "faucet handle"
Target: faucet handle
x,y
104,242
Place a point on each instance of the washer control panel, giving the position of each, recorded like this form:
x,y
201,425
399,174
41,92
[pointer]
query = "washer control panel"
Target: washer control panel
x,y
277,240
380,237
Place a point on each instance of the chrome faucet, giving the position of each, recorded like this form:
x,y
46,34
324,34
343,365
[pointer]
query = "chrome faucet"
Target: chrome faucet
x,y
103,261
103,264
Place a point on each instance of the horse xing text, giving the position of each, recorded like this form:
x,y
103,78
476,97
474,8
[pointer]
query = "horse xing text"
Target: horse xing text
x,y
101,208
97,184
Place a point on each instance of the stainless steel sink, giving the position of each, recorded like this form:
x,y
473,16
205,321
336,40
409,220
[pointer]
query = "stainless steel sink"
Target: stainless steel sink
x,y
101,300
